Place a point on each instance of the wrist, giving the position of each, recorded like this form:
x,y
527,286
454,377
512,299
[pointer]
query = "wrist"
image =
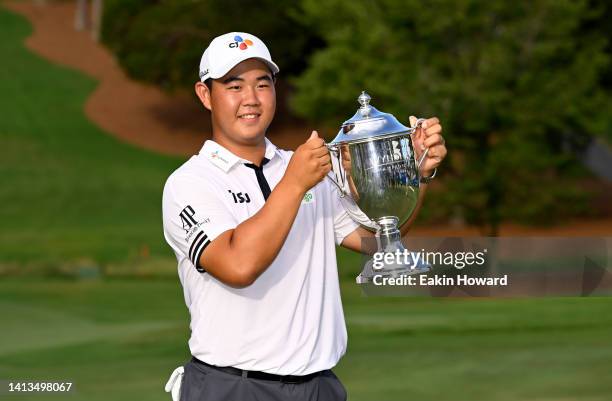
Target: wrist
x,y
427,176
426,173
292,187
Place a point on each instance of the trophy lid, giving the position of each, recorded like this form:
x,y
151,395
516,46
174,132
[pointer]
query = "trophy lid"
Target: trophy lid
x,y
368,122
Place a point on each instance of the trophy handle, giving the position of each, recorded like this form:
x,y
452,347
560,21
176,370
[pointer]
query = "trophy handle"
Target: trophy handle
x,y
420,122
335,154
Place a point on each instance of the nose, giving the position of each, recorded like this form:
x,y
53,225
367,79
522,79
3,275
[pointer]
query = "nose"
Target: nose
x,y
250,97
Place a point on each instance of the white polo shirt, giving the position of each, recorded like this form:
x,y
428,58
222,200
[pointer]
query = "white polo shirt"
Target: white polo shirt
x,y
290,320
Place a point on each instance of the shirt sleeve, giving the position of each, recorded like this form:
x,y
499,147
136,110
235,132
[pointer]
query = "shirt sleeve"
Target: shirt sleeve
x,y
343,223
193,216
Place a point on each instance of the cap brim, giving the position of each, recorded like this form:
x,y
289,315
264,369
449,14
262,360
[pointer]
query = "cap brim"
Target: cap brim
x,y
218,74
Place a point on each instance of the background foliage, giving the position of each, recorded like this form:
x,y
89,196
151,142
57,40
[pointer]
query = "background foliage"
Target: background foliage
x,y
517,86
162,41
521,88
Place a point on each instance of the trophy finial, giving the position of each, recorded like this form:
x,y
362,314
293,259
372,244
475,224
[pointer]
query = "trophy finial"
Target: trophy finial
x,y
364,101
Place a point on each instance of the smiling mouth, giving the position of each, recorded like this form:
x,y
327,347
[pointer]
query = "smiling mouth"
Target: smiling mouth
x,y
249,116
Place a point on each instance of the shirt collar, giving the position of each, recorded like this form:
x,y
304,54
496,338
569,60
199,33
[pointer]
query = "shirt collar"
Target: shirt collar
x,y
225,160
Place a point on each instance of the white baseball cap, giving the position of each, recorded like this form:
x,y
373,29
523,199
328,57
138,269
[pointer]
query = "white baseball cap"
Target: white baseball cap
x,y
226,51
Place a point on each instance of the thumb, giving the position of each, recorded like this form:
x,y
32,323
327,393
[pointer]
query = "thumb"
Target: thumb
x,y
313,135
419,131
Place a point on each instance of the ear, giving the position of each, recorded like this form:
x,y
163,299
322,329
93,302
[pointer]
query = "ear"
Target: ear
x,y
204,94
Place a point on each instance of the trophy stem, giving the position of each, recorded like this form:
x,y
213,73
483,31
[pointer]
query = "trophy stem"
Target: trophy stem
x,y
389,240
388,236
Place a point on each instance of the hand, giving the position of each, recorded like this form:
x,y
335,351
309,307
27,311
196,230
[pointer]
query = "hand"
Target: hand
x,y
309,164
428,135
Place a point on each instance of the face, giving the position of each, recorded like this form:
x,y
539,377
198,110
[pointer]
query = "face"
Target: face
x,y
242,103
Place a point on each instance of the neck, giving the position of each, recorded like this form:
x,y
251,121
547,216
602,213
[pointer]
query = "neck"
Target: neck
x,y
253,152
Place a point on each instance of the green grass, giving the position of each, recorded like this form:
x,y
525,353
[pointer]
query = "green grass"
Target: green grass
x,y
120,339
69,191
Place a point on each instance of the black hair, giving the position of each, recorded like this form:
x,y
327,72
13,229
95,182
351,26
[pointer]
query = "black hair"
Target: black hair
x,y
208,84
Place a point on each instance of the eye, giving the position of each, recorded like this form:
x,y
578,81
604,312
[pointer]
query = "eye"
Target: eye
x,y
234,87
264,85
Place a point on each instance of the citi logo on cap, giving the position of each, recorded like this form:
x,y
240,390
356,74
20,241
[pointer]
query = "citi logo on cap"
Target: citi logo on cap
x,y
240,43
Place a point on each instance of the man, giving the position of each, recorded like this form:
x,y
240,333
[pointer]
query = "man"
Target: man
x,y
254,229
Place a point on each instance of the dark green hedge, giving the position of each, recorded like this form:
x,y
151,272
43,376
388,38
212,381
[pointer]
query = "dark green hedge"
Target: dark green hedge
x,y
162,41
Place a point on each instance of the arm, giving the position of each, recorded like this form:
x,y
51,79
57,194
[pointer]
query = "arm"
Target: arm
x,y
237,257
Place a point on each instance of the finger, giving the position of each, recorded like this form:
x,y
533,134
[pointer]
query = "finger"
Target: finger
x,y
313,135
324,161
413,120
316,143
434,140
440,152
437,154
325,156
430,122
430,164
320,152
435,129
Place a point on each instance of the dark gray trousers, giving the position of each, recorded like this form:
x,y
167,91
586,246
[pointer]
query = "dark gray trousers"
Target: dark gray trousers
x,y
202,383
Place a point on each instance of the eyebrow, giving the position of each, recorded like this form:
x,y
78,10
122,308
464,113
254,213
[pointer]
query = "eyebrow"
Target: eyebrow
x,y
235,78
232,78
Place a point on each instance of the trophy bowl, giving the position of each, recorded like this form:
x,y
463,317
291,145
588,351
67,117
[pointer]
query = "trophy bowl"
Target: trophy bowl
x,y
375,168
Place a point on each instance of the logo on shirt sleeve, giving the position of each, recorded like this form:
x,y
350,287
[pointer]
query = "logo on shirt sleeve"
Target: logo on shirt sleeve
x,y
190,224
187,218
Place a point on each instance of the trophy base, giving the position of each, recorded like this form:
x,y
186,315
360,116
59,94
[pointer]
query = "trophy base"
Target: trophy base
x,y
402,262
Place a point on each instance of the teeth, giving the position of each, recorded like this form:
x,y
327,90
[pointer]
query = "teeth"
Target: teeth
x,y
248,116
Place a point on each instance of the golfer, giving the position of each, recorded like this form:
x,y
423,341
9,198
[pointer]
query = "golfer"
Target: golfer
x,y
254,229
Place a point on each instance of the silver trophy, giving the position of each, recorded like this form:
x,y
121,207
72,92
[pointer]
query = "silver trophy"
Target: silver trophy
x,y
376,172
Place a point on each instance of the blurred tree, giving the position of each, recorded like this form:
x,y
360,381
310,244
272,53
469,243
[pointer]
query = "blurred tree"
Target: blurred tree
x,y
598,24
162,41
513,82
